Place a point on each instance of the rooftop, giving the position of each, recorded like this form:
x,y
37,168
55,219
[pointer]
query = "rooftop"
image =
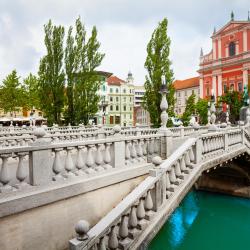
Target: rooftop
x,y
187,83
114,80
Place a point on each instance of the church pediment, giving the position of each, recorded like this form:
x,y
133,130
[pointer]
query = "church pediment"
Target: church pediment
x,y
231,26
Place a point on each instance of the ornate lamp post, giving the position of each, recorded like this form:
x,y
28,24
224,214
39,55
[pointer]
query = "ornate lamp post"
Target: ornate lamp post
x,y
164,104
212,127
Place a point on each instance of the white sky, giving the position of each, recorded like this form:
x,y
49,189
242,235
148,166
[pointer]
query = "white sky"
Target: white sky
x,y
124,29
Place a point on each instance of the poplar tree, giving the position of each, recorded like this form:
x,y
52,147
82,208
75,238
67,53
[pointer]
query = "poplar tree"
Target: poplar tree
x,y
51,74
157,65
87,80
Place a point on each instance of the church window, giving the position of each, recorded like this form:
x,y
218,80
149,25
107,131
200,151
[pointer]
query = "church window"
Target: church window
x,y
240,87
231,49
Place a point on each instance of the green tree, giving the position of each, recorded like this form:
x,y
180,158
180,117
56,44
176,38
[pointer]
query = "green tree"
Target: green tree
x,y
235,101
202,109
189,110
158,65
51,74
12,94
31,89
70,68
87,81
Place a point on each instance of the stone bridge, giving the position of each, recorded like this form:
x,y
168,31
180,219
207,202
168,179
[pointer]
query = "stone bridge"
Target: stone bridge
x,y
124,182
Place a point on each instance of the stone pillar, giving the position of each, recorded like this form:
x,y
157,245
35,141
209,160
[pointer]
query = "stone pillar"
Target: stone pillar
x,y
219,48
198,150
220,85
214,86
40,167
214,50
245,77
119,149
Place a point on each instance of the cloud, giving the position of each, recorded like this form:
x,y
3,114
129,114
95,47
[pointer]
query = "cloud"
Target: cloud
x,y
124,27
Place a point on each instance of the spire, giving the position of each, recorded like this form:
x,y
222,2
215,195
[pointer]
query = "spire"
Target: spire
x,y
214,31
232,16
201,53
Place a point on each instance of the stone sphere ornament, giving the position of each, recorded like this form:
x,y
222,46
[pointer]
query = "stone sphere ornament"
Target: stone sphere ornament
x,y
81,228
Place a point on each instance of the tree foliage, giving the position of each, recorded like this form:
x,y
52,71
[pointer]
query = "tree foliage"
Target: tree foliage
x,y
12,93
31,92
202,110
82,57
235,101
158,65
189,110
51,74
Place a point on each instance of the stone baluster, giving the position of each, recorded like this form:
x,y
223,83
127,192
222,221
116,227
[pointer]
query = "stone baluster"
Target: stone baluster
x,y
80,163
123,233
99,158
133,222
151,146
5,177
144,149
141,213
139,151
177,170
127,153
191,154
90,160
69,164
57,165
21,173
172,176
101,245
133,151
187,161
107,156
113,240
183,165
149,206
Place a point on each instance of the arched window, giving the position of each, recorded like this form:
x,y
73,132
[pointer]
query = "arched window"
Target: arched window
x,y
231,49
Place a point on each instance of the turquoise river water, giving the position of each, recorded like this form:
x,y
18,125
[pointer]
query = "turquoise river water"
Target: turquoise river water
x,y
206,221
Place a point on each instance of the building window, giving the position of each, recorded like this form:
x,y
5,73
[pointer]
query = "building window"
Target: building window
x,y
117,99
231,87
231,49
117,119
179,102
117,90
111,108
117,108
130,108
124,91
124,108
111,90
179,94
130,99
103,87
240,87
225,88
111,98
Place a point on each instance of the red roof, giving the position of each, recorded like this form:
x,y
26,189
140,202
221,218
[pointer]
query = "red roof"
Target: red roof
x,y
114,80
187,83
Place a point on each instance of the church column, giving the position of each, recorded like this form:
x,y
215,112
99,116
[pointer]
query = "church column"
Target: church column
x,y
245,77
214,50
245,40
219,85
201,87
219,48
214,85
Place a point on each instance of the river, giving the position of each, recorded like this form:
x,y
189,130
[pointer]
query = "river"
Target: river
x,y
206,221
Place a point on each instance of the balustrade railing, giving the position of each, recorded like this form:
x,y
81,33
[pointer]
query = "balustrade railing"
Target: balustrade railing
x,y
120,228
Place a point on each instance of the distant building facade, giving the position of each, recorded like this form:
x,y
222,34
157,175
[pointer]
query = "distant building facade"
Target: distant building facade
x,y
184,89
120,101
227,66
141,116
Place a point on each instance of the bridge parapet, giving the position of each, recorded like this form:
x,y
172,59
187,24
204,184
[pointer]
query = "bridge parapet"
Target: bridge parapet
x,y
135,220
